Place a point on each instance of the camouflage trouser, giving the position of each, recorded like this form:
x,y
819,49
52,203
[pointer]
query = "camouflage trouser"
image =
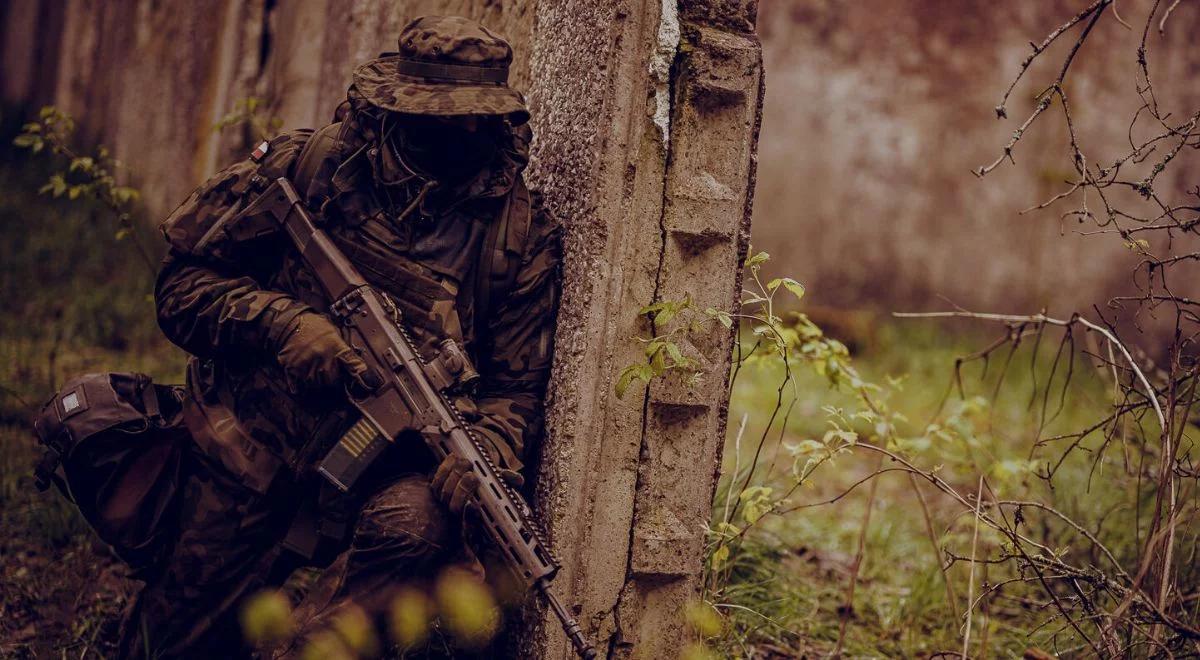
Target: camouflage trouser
x,y
228,547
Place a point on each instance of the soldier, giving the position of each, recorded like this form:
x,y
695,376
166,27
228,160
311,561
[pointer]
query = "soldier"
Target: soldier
x,y
419,183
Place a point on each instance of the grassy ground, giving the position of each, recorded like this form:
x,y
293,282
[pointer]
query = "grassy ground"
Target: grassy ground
x,y
788,582
76,300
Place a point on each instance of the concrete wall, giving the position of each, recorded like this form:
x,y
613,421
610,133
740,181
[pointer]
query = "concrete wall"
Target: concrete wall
x,y
151,79
653,167
646,116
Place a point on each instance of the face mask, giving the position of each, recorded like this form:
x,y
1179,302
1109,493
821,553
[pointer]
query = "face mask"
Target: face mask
x,y
444,150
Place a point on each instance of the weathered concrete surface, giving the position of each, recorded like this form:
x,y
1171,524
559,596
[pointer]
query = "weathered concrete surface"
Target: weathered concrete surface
x,y
646,116
658,204
147,79
878,112
151,79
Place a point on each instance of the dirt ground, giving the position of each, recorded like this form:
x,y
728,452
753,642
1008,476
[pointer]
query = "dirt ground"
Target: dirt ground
x,y
61,589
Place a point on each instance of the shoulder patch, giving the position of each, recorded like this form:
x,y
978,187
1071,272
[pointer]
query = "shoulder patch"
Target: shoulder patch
x,y
260,152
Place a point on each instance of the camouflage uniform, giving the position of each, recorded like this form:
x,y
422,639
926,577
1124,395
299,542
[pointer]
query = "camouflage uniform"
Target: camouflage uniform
x,y
227,293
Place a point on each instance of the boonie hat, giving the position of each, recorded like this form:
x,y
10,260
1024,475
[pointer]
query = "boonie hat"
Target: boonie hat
x,y
446,65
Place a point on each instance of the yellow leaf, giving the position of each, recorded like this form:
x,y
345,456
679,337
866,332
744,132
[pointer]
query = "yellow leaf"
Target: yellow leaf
x,y
326,645
467,608
266,616
703,618
719,557
357,631
411,613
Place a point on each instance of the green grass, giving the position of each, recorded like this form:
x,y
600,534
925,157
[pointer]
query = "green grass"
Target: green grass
x,y
789,577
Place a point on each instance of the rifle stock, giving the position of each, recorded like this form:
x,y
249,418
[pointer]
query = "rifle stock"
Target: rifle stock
x,y
412,398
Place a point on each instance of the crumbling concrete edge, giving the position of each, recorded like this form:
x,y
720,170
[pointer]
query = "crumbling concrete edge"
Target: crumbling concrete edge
x,y
653,176
661,64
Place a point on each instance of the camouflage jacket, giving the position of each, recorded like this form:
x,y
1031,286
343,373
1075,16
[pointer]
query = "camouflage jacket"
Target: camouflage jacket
x,y
223,296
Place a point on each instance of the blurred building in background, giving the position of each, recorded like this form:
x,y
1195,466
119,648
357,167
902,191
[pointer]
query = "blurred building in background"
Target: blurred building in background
x,y
876,114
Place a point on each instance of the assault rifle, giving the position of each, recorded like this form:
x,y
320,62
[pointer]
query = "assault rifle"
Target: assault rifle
x,y
411,398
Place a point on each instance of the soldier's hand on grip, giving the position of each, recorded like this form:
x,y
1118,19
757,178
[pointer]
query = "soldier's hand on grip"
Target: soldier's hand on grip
x,y
313,355
454,482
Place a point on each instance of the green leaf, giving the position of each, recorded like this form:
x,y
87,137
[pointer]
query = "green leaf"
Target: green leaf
x,y
720,556
804,447
675,353
757,259
652,346
628,374
664,317
652,308
726,529
848,437
55,186
795,287
658,362
757,500
725,319
24,141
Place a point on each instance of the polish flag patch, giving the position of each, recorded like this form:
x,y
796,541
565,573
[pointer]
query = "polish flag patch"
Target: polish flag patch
x,y
260,152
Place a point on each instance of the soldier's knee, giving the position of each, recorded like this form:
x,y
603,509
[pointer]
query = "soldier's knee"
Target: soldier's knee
x,y
403,523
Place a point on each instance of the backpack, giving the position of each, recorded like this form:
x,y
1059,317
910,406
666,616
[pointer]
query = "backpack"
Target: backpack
x,y
499,255
114,447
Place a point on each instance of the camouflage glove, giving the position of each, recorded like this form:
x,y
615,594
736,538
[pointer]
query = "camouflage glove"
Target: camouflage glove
x,y
313,355
455,482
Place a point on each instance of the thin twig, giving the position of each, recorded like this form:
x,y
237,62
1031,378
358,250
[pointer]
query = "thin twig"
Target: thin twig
x,y
848,606
971,580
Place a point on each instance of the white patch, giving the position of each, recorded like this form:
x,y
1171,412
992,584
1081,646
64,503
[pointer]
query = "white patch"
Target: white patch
x,y
70,402
660,67
261,151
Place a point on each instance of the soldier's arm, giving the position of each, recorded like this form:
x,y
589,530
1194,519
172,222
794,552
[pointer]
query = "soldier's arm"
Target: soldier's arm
x,y
517,366
210,298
